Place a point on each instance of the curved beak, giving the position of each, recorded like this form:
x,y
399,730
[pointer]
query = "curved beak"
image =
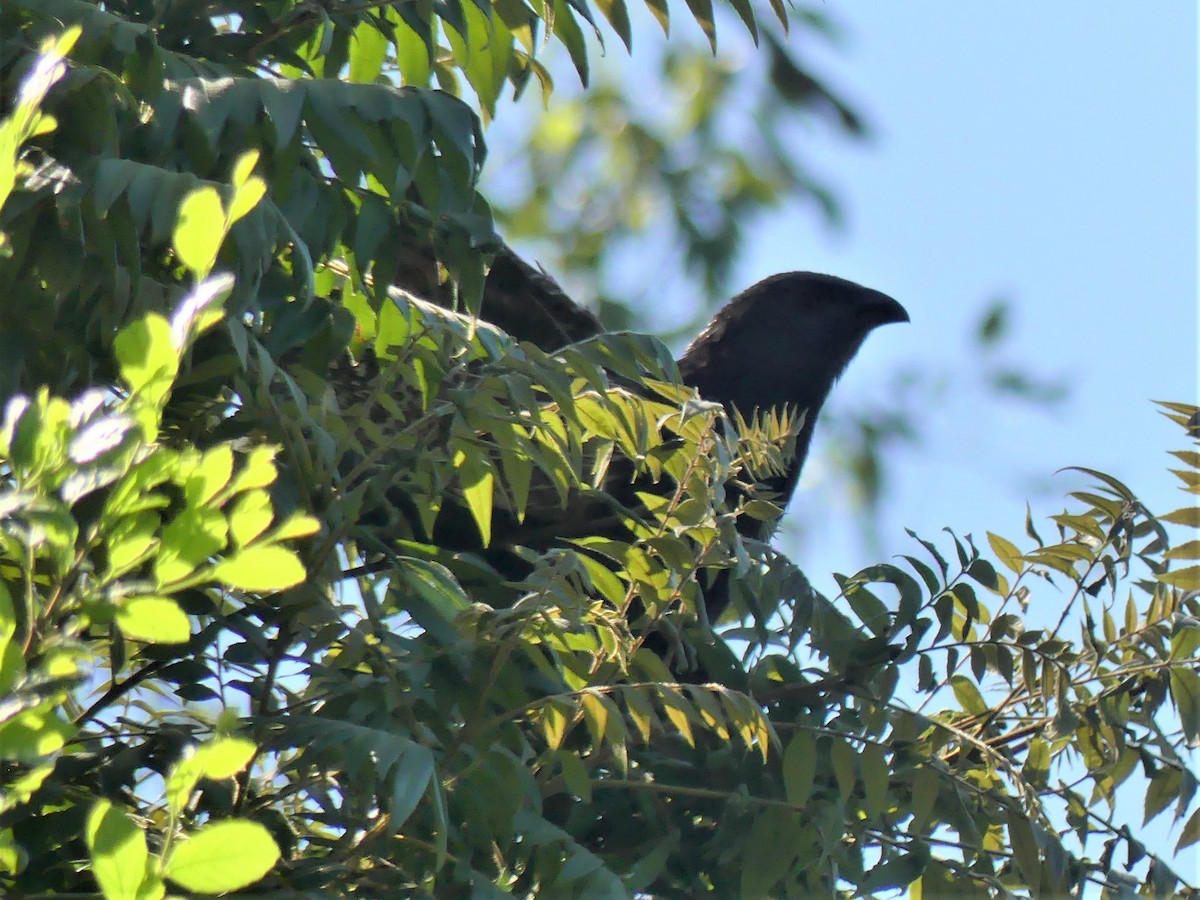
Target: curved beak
x,y
883,309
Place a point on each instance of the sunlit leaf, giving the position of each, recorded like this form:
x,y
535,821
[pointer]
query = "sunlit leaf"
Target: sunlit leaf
x,y
158,620
261,568
201,230
117,848
226,856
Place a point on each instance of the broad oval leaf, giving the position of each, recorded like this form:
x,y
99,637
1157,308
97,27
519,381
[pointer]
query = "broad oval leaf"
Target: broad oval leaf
x,y
200,229
117,848
227,856
261,568
224,757
157,620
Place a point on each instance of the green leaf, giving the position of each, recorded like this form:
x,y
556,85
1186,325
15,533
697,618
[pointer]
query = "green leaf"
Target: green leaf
x,y
926,784
20,790
567,30
478,482
968,695
243,168
1185,579
845,766
799,767
1185,691
617,15
1007,552
483,50
33,734
679,711
210,475
641,711
297,526
117,849
762,510
200,230
1024,846
412,54
251,516
181,781
227,856
246,197
702,10
187,542
898,872
224,757
554,723
439,597
746,12
130,542
368,51
411,777
1162,791
257,470
261,568
770,848
873,764
1190,833
147,356
12,662
1037,762
1186,550
1186,516
158,620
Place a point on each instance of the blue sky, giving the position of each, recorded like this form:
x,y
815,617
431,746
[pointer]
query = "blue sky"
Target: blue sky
x,y
1044,155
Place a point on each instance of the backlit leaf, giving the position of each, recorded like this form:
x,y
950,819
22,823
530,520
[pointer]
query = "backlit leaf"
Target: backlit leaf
x,y
261,568
226,856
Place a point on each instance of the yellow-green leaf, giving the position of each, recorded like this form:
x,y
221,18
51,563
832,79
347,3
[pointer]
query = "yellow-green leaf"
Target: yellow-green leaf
x,y
554,725
246,197
258,469
250,517
200,230
678,711
227,856
210,475
968,695
158,620
261,568
117,848
1006,551
34,733
298,526
243,167
478,483
1187,515
147,357
1187,550
1188,579
224,757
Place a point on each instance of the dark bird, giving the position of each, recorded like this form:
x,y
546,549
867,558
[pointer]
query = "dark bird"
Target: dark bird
x,y
783,342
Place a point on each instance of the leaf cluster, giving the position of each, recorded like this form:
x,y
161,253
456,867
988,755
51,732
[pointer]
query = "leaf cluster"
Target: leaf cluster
x,y
311,584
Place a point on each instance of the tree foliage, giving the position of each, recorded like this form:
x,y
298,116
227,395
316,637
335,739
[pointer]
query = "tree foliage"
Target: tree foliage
x,y
235,655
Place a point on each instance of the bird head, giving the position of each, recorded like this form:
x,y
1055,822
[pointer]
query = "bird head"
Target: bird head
x,y
787,339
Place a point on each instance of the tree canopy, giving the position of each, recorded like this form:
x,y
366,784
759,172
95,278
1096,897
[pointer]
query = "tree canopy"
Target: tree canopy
x,y
250,366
